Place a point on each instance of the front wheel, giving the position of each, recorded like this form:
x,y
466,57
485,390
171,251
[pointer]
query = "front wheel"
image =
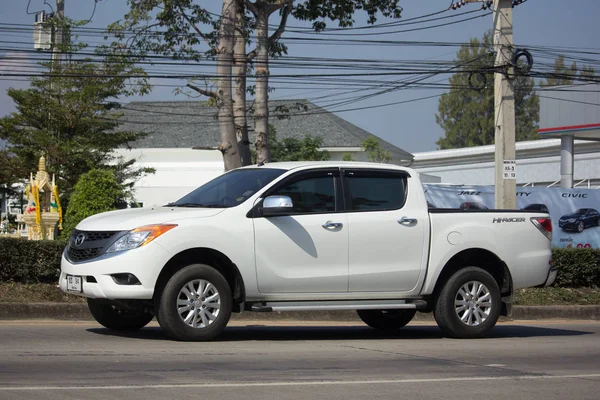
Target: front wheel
x,y
580,227
386,319
468,306
116,318
195,304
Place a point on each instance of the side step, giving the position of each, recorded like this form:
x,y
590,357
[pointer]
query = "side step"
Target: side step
x,y
338,305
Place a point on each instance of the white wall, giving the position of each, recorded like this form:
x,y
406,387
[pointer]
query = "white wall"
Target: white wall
x,y
178,172
537,170
538,162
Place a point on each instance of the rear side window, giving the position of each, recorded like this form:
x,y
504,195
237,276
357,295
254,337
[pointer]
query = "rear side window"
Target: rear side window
x,y
375,191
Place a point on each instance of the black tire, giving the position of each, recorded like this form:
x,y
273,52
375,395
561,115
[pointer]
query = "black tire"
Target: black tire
x,y
387,320
446,314
116,318
174,324
580,227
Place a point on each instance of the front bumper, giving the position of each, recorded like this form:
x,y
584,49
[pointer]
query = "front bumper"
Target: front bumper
x,y
145,263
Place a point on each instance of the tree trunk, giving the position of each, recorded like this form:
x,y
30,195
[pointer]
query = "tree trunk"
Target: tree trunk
x,y
261,113
228,146
239,72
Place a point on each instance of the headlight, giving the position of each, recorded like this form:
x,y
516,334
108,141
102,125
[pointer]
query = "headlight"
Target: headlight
x,y
139,237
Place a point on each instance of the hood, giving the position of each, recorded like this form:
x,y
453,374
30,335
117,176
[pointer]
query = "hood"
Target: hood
x,y
121,220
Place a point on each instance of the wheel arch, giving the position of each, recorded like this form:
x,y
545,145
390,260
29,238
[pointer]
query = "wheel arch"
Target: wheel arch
x,y
203,255
486,260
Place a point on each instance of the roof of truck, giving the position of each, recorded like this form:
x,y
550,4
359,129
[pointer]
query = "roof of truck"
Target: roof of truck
x,y
289,165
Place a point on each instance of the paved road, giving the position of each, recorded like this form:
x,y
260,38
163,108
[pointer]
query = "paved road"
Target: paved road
x,y
61,360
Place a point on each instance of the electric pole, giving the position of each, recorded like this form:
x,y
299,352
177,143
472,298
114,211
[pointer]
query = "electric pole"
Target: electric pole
x,y
57,42
59,34
504,100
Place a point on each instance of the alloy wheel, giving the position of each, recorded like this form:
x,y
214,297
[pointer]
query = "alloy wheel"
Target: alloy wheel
x,y
473,303
198,303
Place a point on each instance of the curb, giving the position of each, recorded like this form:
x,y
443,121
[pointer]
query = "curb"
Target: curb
x,y
79,311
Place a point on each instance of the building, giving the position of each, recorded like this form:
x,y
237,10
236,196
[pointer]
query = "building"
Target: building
x,y
183,137
569,113
538,164
568,157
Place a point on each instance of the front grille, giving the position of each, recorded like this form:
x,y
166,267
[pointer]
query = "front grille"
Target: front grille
x,y
78,255
95,236
86,245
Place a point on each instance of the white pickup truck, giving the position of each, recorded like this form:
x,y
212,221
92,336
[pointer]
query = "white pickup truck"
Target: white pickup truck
x,y
306,236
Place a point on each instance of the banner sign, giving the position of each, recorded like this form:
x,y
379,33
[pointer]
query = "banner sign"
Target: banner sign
x,y
575,213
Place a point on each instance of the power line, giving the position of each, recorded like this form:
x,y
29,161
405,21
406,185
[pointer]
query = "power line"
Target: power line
x,y
93,13
291,115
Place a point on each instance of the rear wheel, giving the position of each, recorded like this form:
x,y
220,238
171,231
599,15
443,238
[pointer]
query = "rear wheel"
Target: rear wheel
x,y
114,317
468,306
387,319
195,304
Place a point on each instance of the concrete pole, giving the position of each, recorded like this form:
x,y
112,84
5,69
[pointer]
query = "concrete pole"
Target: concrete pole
x,y
566,161
504,98
57,41
58,34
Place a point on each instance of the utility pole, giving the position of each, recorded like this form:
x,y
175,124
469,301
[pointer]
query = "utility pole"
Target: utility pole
x,y
504,99
57,42
59,34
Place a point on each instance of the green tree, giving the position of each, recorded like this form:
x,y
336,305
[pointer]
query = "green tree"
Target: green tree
x,y
466,113
295,149
70,115
588,73
11,170
96,191
562,75
347,157
373,148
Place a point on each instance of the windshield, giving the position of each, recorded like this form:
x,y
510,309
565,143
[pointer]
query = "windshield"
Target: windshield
x,y
581,211
230,189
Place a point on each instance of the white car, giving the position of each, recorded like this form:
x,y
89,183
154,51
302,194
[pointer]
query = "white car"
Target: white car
x,y
306,236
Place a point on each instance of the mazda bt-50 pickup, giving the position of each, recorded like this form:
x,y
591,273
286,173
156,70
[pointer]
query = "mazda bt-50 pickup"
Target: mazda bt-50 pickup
x,y
306,236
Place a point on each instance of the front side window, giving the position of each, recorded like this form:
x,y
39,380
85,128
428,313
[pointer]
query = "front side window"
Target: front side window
x,y
376,191
230,189
310,195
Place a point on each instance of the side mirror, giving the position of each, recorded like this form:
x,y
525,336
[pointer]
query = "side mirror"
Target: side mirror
x,y
277,205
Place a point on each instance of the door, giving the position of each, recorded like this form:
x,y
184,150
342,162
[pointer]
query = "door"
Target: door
x,y
387,231
592,217
307,250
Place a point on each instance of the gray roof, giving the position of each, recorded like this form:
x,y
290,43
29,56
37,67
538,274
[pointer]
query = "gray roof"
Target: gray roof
x,y
187,124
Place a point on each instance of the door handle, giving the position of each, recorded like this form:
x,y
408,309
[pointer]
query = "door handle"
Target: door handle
x,y
330,224
407,220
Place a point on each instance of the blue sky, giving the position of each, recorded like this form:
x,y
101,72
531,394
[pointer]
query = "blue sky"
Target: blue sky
x,y
411,125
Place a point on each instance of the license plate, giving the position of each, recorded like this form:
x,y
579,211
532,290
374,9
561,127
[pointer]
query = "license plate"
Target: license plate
x,y
74,283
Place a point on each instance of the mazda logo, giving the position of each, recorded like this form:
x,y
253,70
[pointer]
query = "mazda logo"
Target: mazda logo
x,y
79,239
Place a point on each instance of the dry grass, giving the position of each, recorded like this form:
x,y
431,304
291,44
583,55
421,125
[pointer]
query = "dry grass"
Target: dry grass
x,y
556,296
11,292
